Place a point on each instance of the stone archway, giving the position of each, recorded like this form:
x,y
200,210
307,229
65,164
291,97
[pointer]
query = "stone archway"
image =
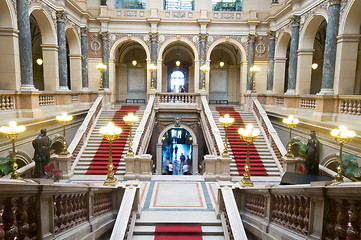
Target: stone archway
x,y
281,62
74,59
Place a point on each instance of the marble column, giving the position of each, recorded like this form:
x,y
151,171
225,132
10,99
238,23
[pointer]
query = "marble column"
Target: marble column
x,y
62,58
154,54
25,49
105,58
292,68
202,56
250,62
329,61
84,58
271,61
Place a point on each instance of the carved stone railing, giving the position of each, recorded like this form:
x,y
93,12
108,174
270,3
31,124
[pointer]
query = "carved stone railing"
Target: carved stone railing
x,y
210,129
307,103
83,133
128,212
61,211
302,211
178,98
350,106
7,102
273,141
46,100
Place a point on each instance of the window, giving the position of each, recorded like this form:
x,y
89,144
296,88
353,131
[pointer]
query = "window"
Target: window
x,y
176,81
130,4
227,5
179,4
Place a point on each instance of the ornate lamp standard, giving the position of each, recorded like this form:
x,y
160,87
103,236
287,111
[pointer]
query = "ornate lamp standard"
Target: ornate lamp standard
x,y
64,119
226,122
290,122
101,67
254,69
13,131
110,132
152,67
204,68
341,135
248,134
130,119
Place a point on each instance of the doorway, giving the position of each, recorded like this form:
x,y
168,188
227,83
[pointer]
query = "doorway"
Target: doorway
x,y
177,82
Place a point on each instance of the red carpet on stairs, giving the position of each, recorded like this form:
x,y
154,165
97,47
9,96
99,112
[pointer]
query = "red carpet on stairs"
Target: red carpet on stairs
x,y
239,147
100,160
178,232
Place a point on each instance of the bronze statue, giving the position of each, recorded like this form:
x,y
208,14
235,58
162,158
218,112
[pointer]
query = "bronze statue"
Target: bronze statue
x,y
312,155
41,146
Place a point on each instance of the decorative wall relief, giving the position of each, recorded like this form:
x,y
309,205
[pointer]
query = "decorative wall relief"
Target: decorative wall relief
x,y
94,45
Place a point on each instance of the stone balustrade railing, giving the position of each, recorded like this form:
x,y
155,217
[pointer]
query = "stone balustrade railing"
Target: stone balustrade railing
x,y
273,140
350,106
7,102
61,211
308,103
82,134
46,100
302,211
177,98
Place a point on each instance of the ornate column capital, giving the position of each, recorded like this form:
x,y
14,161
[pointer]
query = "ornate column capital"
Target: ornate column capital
x,y
104,35
295,21
203,37
153,37
84,31
60,16
252,37
272,35
334,2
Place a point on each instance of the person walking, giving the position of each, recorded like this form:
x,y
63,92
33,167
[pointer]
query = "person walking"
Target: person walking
x,y
182,160
170,168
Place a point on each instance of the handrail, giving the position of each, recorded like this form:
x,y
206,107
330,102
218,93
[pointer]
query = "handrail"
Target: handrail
x,y
128,206
274,142
143,128
214,129
83,133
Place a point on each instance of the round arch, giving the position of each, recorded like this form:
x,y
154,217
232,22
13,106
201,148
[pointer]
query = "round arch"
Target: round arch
x,y
44,20
310,28
351,19
7,14
225,40
282,44
181,40
73,41
180,48
190,130
115,46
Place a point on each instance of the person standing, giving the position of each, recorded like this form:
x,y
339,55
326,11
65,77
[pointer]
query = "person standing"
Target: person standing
x,y
170,168
176,150
182,160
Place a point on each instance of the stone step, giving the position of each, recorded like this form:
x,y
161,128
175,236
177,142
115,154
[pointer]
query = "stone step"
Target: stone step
x,y
146,237
149,230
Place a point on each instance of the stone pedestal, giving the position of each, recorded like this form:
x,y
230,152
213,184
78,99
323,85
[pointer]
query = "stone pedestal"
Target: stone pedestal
x,y
292,164
209,167
62,163
138,167
217,168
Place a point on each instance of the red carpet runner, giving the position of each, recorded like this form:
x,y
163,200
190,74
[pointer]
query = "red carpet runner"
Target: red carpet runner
x,y
239,147
178,232
100,160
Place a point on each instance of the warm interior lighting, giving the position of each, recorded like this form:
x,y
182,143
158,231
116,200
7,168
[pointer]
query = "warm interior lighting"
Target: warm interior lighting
x,y
39,61
221,64
177,63
254,69
134,62
110,129
314,66
204,68
101,67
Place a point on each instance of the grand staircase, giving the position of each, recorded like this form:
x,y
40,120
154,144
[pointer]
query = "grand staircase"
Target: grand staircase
x,y
94,159
261,160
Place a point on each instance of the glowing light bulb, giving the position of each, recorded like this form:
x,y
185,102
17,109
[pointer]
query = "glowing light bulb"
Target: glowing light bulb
x,y
134,62
39,61
314,66
177,63
221,64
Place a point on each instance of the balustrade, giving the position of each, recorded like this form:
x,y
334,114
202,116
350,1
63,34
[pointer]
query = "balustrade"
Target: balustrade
x,y
308,103
7,102
46,100
350,106
255,204
102,203
177,98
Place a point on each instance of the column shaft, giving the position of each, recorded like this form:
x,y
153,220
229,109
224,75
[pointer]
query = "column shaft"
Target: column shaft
x,y
271,61
26,64
202,56
105,58
329,61
292,68
154,53
250,62
62,58
84,58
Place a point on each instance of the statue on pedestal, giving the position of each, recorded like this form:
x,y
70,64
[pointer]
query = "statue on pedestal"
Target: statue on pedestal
x,y
312,155
41,146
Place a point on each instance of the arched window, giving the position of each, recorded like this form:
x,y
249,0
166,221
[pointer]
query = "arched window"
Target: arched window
x,y
177,80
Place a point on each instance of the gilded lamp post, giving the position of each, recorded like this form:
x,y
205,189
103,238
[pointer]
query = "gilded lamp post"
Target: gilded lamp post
x,y
13,131
101,67
204,68
341,135
290,122
110,132
254,69
248,134
64,119
130,119
226,122
152,67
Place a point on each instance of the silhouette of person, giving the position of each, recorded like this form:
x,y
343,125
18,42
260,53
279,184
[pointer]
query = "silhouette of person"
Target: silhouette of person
x,y
312,155
41,145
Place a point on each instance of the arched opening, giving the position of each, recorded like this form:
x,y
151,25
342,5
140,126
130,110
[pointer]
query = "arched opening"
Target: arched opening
x,y
317,61
73,50
285,85
130,72
178,68
177,152
37,54
224,79
282,51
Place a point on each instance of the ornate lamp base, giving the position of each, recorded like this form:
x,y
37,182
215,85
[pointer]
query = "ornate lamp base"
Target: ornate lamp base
x,y
15,174
111,180
246,181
